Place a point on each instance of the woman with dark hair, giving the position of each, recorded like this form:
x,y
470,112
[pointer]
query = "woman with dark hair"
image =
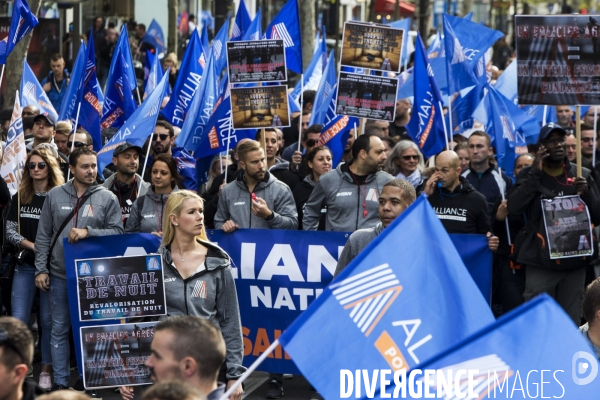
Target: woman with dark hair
x,y
146,213
318,162
41,174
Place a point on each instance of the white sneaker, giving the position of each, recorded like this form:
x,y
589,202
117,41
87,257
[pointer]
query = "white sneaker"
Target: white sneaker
x,y
45,381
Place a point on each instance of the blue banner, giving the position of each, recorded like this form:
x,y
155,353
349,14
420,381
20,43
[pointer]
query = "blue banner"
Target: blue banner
x,y
99,247
22,22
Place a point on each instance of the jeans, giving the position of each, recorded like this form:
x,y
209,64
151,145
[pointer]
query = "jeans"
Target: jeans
x,y
22,297
61,324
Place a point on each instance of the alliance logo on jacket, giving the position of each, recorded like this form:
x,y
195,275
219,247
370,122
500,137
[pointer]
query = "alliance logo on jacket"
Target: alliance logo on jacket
x,y
372,195
200,290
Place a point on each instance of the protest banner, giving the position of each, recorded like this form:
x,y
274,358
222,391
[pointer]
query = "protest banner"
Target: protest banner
x,y
279,273
114,355
557,59
120,287
366,96
260,107
96,247
372,46
256,61
568,227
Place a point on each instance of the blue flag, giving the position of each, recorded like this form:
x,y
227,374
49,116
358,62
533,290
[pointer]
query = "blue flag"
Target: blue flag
x,y
219,47
286,26
254,31
68,110
154,76
436,48
149,62
403,24
119,103
127,62
314,71
138,127
335,135
33,93
325,92
383,301
241,23
154,37
194,127
91,98
188,80
514,353
459,70
438,65
426,127
22,22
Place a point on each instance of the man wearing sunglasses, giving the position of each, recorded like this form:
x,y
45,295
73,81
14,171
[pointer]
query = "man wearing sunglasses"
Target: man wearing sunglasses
x,y
16,355
80,139
310,139
481,174
161,143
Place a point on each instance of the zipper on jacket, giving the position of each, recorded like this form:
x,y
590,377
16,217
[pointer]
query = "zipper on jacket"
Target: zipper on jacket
x,y
185,296
250,214
358,206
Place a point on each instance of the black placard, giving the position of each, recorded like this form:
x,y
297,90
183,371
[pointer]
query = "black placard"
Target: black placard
x,y
256,61
366,96
372,46
260,107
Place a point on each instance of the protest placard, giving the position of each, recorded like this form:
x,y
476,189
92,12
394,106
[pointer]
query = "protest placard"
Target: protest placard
x,y
557,59
372,46
256,61
568,227
366,96
120,287
114,355
260,107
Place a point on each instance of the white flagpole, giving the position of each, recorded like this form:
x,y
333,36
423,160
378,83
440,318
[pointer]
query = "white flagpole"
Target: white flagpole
x,y
444,123
2,74
355,131
594,140
137,89
73,141
147,155
250,369
505,219
450,129
227,151
545,114
301,107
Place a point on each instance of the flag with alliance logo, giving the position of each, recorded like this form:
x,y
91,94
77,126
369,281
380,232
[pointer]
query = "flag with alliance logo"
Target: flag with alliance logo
x,y
241,23
286,26
22,22
32,92
404,299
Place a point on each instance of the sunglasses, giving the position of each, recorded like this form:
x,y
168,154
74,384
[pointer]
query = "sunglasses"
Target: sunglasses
x,y
311,142
162,136
77,144
5,341
410,158
40,165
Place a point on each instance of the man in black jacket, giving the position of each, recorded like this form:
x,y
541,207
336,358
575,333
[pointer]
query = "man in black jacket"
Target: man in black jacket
x,y
460,208
556,244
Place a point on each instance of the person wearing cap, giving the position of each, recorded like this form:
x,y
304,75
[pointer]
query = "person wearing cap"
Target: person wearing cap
x,y
126,184
550,195
44,129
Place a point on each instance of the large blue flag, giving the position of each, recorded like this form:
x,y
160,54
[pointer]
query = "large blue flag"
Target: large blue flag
x,y
459,70
533,351
402,300
286,26
324,92
68,110
119,103
426,127
254,31
33,93
91,98
335,135
188,80
22,22
149,62
438,65
219,47
403,24
138,127
154,76
127,62
194,127
154,36
241,23
314,71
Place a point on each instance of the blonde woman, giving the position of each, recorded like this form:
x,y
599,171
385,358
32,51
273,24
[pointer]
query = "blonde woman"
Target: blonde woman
x,y
198,277
41,174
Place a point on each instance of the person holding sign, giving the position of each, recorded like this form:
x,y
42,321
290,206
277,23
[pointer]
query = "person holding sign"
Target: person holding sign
x,y
198,277
556,244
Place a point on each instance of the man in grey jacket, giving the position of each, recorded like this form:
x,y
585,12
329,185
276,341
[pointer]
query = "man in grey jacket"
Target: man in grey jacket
x,y
126,184
98,215
350,193
395,197
255,199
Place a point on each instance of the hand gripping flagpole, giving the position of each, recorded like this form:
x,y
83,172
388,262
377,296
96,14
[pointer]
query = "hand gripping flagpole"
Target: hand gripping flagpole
x,y
73,142
250,369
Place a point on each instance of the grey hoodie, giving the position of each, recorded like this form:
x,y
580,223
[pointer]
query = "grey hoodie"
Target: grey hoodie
x,y
208,293
344,199
355,244
149,218
100,214
235,202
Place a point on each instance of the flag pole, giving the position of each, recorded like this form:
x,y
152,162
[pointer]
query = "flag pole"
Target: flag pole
x,y
137,89
250,369
545,114
578,133
450,116
73,142
301,108
2,74
594,140
147,155
444,124
355,131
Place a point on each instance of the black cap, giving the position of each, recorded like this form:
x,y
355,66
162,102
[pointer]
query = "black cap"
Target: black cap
x,y
46,117
6,114
548,129
126,146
